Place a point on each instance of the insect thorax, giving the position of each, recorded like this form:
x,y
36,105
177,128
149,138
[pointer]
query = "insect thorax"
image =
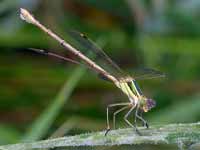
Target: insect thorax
x,y
129,89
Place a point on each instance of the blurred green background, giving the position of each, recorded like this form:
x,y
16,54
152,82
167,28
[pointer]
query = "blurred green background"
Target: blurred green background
x,y
41,97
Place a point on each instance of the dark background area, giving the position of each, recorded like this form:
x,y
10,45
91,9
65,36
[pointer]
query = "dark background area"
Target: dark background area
x,y
159,34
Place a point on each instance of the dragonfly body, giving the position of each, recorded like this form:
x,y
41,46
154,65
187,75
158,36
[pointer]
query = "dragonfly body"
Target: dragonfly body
x,y
126,84
130,88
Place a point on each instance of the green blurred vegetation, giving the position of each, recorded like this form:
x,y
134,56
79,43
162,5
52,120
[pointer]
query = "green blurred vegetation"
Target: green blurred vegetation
x,y
166,39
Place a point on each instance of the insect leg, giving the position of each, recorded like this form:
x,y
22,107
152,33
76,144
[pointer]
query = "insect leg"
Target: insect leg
x,y
107,114
145,123
141,118
128,122
116,112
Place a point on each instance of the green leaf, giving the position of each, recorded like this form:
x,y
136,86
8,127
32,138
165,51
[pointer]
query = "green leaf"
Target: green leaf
x,y
40,127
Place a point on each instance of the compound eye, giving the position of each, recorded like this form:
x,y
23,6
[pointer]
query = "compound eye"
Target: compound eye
x,y
150,103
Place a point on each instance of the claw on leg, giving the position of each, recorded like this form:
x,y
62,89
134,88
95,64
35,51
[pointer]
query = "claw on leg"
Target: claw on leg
x,y
146,125
107,130
137,131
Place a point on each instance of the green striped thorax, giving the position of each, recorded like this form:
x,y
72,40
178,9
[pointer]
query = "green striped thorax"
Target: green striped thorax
x,y
130,87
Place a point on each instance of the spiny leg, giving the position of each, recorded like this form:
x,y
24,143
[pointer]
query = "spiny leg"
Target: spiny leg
x,y
116,112
107,113
128,122
144,122
141,118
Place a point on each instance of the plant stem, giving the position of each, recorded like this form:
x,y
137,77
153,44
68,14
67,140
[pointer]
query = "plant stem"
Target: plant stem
x,y
184,135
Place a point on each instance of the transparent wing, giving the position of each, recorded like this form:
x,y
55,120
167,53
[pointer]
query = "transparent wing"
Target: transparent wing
x,y
148,73
97,54
102,59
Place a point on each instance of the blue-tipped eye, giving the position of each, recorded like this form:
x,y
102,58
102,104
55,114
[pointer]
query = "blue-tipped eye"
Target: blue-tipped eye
x,y
150,103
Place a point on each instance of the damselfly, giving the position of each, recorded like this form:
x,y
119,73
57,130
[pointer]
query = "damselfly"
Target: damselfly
x,y
127,84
